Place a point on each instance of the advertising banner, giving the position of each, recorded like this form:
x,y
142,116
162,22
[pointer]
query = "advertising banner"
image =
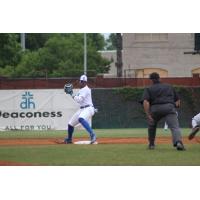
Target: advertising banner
x,y
41,109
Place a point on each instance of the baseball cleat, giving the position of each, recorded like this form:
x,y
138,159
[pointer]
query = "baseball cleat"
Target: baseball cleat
x,y
93,140
67,141
151,147
180,146
193,132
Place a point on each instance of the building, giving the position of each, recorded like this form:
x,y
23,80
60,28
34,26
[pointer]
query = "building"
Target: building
x,y
112,56
169,54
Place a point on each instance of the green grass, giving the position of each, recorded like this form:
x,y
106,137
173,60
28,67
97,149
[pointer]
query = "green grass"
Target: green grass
x,y
101,154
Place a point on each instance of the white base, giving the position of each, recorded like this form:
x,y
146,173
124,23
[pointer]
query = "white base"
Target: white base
x,y
84,142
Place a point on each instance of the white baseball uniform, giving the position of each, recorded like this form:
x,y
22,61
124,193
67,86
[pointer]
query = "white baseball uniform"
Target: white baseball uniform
x,y
86,111
196,120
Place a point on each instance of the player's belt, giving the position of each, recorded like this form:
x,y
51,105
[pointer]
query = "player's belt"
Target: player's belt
x,y
85,106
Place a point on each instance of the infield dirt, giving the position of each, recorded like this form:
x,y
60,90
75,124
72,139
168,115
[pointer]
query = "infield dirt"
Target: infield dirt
x,y
53,141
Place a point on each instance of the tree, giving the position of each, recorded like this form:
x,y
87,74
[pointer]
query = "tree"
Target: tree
x,y
34,41
119,63
96,40
111,42
10,49
62,55
114,42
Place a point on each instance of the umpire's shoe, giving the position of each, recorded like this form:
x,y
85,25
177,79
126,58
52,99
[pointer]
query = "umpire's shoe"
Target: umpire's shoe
x,y
193,132
151,147
179,146
67,141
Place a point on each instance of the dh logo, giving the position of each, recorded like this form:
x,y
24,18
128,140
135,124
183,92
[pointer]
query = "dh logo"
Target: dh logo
x,y
27,101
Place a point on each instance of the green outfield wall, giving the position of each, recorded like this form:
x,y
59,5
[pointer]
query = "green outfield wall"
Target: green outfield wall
x,y
120,107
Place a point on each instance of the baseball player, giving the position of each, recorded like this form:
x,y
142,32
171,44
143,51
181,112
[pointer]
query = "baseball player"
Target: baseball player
x,y
86,111
195,126
160,101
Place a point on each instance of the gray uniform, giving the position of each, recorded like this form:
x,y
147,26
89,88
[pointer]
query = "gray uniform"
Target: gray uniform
x,y
162,98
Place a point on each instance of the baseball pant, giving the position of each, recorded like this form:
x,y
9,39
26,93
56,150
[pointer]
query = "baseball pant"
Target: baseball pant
x,y
85,113
196,120
168,112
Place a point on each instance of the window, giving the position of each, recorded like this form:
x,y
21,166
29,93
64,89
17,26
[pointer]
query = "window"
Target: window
x,y
197,42
151,37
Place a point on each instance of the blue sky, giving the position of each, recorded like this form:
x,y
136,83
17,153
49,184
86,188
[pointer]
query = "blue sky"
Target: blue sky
x,y
106,35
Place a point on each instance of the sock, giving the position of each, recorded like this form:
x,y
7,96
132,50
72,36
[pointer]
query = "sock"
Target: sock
x,y
86,125
70,131
151,135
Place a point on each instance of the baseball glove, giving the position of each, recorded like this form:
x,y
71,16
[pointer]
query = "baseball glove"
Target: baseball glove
x,y
68,88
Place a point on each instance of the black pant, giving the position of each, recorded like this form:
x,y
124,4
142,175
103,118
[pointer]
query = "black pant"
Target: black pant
x,y
168,112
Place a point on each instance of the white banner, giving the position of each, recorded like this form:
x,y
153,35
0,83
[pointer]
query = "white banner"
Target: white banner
x,y
41,109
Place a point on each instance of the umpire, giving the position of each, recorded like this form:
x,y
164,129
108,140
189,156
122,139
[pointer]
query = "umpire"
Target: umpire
x,y
160,101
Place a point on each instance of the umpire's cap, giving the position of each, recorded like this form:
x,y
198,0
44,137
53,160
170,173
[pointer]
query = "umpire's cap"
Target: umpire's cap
x,y
154,76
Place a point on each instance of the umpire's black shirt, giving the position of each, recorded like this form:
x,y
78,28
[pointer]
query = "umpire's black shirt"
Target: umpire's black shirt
x,y
160,93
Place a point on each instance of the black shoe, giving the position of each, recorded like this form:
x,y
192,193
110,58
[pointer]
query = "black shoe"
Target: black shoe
x,y
193,132
180,146
67,141
151,147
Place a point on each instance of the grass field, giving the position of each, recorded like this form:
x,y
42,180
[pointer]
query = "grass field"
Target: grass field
x,y
101,154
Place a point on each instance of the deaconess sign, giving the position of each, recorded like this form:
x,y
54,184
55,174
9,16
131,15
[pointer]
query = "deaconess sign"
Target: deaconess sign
x,y
26,104
35,109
